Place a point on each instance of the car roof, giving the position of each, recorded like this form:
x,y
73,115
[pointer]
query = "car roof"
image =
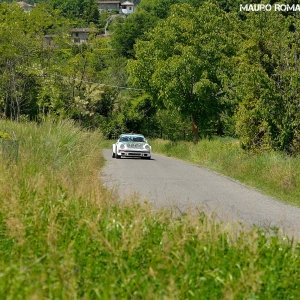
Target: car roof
x,y
131,134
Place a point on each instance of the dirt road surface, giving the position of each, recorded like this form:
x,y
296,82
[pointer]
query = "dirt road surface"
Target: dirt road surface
x,y
168,182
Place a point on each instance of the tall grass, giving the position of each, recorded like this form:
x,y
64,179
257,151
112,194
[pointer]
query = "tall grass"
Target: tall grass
x,y
63,236
272,172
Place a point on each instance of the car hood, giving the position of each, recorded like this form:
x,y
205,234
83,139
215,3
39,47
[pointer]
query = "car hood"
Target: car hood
x,y
135,145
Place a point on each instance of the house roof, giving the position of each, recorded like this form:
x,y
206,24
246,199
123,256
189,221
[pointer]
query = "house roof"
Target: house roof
x,y
127,3
49,36
24,4
108,2
83,30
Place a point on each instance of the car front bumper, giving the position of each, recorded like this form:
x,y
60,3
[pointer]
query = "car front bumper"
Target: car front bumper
x,y
134,153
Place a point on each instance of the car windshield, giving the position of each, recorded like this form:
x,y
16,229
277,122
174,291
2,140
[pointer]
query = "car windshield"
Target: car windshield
x,y
138,139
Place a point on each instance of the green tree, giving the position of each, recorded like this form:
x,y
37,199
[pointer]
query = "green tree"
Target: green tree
x,y
183,62
24,57
266,83
82,12
127,31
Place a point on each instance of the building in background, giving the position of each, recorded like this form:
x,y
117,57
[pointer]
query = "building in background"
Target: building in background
x,y
127,7
81,35
48,41
108,5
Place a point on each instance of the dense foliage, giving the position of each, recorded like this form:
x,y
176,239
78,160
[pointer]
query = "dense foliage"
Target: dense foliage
x,y
266,83
227,72
177,68
85,11
184,60
59,77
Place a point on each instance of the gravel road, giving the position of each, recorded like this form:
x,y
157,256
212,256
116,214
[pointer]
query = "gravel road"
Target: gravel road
x,y
168,182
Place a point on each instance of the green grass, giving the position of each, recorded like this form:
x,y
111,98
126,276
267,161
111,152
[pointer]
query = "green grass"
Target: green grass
x,y
271,172
63,236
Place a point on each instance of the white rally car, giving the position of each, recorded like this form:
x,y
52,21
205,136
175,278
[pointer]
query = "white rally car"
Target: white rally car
x,y
131,145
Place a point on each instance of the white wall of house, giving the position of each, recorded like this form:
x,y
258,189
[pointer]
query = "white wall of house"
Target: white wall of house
x,y
127,7
128,10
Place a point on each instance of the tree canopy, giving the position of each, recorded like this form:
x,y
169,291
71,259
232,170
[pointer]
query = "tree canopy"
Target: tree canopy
x,y
183,61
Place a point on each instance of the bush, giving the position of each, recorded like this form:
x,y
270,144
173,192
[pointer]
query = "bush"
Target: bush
x,y
4,135
252,127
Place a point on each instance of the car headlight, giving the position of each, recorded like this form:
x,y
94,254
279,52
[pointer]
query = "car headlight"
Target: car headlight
x,y
122,146
147,147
